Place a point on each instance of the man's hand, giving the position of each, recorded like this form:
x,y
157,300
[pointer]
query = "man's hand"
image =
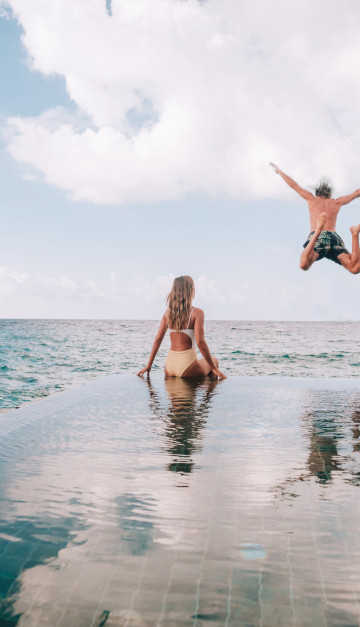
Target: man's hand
x,y
277,170
293,184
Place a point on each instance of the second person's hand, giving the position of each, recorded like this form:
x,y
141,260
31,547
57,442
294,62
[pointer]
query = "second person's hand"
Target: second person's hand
x,y
274,167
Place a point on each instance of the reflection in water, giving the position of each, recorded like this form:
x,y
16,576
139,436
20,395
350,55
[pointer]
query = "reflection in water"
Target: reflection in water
x,y
324,434
184,418
135,522
49,562
355,428
25,545
327,420
93,531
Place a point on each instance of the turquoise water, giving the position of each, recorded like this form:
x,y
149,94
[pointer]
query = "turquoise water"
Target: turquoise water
x,y
41,357
139,503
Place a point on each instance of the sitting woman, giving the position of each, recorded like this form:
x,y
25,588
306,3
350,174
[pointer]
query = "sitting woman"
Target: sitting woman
x,y
186,325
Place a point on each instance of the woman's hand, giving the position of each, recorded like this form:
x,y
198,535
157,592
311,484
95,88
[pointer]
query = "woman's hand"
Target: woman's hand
x,y
218,373
156,345
142,372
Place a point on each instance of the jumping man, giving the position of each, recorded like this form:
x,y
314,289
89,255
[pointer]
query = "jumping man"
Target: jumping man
x,y
323,213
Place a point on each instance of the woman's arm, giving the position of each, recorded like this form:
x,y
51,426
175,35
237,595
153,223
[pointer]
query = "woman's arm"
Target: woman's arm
x,y
155,347
202,345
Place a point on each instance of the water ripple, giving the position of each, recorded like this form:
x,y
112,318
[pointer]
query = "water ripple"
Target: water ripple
x,y
41,357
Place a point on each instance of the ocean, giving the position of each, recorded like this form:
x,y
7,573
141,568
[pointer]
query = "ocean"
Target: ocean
x,y
42,357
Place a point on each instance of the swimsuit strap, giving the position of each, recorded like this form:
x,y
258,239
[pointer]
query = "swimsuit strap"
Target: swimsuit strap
x,y
191,312
186,328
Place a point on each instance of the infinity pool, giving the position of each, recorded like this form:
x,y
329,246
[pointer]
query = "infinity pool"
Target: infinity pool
x,y
135,503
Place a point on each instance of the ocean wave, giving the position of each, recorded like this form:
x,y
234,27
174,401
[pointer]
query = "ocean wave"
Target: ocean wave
x,y
41,357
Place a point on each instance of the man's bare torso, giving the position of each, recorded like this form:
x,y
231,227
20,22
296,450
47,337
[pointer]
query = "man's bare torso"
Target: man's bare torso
x,y
323,214
330,206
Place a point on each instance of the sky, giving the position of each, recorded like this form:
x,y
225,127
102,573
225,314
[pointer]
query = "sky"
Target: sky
x,y
135,137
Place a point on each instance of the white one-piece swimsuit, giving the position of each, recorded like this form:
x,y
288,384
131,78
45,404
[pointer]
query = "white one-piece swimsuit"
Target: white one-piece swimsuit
x,y
179,361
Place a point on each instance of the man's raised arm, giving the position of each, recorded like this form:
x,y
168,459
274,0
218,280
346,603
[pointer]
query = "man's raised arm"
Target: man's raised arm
x,y
344,200
293,184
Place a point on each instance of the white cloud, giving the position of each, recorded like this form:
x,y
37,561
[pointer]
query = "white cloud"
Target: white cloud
x,y
112,295
12,282
189,96
157,288
150,289
111,289
64,283
241,295
4,12
207,289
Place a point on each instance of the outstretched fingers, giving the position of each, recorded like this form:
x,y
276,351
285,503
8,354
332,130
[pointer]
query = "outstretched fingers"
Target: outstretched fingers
x,y
142,372
274,167
219,374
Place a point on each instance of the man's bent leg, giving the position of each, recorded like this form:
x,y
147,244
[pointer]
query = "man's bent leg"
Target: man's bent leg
x,y
308,255
355,252
351,262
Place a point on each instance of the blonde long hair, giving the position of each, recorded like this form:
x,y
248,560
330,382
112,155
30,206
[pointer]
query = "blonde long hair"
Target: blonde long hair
x,y
179,302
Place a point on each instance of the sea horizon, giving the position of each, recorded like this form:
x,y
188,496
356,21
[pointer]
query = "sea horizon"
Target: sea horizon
x,y
264,320
40,357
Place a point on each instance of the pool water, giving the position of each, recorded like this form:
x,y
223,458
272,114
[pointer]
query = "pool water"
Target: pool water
x,y
143,503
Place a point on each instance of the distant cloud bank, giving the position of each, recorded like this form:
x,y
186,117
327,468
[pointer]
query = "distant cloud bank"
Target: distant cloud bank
x,y
174,97
139,292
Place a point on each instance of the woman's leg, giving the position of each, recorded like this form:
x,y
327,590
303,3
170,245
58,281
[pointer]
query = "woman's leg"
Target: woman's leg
x,y
200,368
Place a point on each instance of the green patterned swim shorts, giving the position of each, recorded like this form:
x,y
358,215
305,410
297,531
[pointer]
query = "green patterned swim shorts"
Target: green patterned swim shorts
x,y
329,244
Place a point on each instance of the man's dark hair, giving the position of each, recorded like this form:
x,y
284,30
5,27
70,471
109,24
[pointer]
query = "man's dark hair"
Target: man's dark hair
x,y
324,188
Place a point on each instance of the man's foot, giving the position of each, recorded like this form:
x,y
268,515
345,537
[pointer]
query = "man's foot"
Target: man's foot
x,y
355,230
320,223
